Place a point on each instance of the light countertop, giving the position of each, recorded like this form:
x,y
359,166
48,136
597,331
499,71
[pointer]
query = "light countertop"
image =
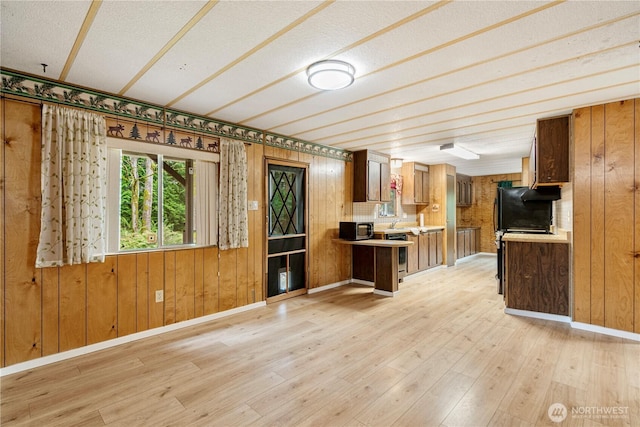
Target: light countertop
x,y
414,229
562,236
375,242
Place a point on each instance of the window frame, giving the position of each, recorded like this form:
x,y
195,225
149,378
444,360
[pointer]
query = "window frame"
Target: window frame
x,y
115,148
394,202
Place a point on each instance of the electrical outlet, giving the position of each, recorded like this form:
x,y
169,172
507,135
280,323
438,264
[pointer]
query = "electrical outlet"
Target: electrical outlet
x,y
159,296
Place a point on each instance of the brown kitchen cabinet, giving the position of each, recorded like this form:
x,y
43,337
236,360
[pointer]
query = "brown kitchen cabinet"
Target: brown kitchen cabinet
x,y
549,156
467,241
440,248
371,176
426,251
415,184
362,262
537,277
464,190
423,254
412,254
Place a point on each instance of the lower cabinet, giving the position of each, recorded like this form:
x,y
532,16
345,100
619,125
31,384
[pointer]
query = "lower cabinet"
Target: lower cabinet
x,y
537,277
363,260
412,254
467,241
426,251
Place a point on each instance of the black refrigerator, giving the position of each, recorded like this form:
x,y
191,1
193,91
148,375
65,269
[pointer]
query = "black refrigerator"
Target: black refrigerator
x,y
524,210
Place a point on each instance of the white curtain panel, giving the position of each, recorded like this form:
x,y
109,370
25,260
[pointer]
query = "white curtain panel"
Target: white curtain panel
x,y
74,187
206,202
233,220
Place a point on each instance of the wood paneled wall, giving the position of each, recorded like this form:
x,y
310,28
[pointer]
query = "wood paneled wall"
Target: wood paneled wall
x,y
606,221
480,213
330,201
46,311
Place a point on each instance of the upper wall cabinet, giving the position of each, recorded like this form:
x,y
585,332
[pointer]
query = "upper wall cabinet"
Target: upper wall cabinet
x,y
464,190
371,176
415,185
549,158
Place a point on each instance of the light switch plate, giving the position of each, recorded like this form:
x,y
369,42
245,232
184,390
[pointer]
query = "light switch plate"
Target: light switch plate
x,y
253,205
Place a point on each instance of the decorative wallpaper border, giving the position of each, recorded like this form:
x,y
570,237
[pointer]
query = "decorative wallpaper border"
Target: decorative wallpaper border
x,y
155,116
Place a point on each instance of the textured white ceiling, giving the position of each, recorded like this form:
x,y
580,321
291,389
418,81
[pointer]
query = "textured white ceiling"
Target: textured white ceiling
x,y
477,73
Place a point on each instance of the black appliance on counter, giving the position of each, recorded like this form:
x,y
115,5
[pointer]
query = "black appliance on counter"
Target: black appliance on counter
x,y
523,210
350,230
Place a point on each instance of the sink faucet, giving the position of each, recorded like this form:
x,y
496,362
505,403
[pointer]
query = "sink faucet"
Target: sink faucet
x,y
393,223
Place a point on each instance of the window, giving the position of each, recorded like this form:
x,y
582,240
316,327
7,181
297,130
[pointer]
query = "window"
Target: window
x,y
286,200
389,208
153,196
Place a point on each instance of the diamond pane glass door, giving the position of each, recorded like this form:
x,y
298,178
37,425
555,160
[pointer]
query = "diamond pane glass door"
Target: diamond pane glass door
x,y
287,239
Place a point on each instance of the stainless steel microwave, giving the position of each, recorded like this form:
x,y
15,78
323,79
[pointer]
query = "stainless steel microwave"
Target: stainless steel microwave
x,y
350,230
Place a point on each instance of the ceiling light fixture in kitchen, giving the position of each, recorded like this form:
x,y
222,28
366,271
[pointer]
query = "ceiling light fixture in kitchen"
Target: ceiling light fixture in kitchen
x,y
330,74
459,151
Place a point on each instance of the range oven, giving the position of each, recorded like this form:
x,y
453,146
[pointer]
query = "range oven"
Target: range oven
x,y
402,253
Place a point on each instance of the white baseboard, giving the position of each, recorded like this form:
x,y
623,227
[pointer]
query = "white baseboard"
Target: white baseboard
x,y
385,293
327,287
537,315
423,272
362,282
46,360
488,253
606,331
575,325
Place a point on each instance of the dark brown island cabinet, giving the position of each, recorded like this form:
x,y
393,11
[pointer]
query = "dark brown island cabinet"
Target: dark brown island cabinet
x,y
371,176
537,277
549,156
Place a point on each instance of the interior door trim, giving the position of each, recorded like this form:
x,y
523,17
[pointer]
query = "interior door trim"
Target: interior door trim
x,y
265,250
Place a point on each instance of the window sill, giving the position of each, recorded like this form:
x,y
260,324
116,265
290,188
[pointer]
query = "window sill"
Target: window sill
x,y
163,249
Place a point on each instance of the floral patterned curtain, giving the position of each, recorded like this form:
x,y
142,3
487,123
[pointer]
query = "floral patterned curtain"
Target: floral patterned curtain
x,y
233,219
74,187
206,202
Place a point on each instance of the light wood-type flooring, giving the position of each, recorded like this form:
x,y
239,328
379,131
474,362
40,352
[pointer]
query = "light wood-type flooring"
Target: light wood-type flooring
x,y
442,352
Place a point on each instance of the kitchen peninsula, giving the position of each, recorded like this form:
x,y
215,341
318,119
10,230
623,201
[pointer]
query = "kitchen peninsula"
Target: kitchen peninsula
x,y
381,264
537,272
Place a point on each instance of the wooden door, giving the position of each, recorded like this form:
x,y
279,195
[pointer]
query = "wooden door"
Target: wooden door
x,y
373,181
412,254
287,238
439,248
423,254
385,182
433,249
417,186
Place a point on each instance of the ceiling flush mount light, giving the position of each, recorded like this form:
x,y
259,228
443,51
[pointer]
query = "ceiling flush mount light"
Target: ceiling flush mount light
x,y
330,74
459,151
